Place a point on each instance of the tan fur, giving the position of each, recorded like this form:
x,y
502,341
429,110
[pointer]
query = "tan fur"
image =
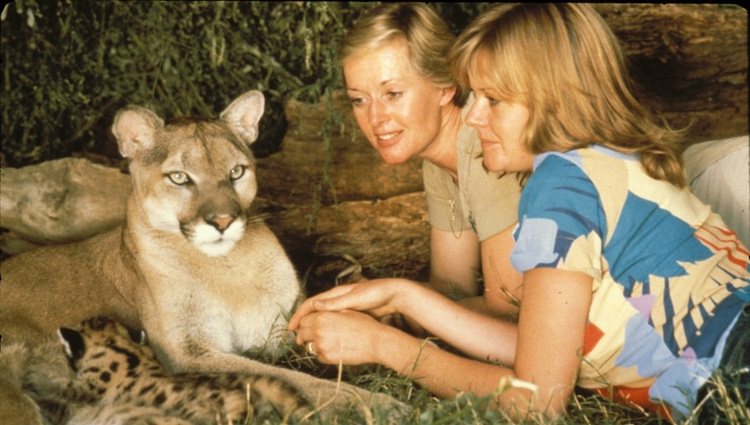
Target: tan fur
x,y
38,368
148,273
201,304
18,408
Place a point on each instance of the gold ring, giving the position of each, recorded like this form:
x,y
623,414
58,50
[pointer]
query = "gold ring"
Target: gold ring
x,y
309,348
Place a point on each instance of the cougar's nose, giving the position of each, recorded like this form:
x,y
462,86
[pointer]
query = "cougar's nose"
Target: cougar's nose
x,y
220,221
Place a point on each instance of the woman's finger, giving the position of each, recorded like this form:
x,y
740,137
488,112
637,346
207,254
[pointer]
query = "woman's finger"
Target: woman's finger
x,y
361,298
310,304
303,310
307,328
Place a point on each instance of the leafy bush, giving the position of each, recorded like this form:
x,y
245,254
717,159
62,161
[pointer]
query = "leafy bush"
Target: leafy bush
x,y
69,65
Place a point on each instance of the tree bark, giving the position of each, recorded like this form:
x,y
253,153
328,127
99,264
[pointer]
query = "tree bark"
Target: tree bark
x,y
691,62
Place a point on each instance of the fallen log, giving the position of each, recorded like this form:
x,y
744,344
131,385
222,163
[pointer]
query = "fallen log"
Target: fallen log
x,y
691,61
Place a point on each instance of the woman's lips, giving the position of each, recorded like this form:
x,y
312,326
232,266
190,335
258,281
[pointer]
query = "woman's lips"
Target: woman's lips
x,y
387,139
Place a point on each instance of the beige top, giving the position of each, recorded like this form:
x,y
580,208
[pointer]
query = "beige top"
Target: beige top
x,y
480,200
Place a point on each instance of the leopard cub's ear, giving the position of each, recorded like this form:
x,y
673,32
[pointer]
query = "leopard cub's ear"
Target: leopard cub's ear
x,y
138,336
135,128
72,342
243,115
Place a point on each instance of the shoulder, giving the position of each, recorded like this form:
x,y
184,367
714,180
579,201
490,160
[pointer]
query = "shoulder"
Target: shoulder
x,y
437,181
580,171
559,204
559,164
558,177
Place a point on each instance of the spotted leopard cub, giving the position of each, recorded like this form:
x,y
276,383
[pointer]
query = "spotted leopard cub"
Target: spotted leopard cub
x,y
114,367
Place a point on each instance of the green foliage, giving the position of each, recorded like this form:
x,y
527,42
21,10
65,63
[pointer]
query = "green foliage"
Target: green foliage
x,y
69,65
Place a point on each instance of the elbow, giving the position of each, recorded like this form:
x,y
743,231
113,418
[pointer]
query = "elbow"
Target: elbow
x,y
524,401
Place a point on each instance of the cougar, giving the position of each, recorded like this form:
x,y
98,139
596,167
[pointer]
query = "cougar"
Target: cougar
x,y
189,266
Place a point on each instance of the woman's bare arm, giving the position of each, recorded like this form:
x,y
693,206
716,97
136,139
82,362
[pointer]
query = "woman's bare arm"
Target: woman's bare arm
x,y
552,323
454,263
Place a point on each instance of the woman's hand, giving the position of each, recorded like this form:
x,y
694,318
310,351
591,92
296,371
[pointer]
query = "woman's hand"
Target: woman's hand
x,y
346,337
378,298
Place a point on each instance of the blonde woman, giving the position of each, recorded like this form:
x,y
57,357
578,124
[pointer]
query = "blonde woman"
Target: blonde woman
x,y
631,286
405,100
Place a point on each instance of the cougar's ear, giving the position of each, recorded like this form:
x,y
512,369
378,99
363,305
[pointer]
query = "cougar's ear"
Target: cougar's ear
x,y
243,115
72,342
135,128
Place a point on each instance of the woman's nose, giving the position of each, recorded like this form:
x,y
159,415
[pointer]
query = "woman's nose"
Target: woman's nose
x,y
474,117
377,112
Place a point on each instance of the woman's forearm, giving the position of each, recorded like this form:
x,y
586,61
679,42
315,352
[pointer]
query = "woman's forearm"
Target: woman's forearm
x,y
443,373
482,337
446,375
498,308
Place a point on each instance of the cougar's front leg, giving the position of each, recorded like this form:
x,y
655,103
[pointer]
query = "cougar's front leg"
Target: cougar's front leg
x,y
17,407
33,369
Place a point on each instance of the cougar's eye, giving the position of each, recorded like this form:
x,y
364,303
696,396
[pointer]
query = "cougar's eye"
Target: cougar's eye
x,y
237,172
179,178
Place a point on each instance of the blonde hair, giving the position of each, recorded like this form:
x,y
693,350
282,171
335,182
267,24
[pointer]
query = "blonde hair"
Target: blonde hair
x,y
565,65
426,34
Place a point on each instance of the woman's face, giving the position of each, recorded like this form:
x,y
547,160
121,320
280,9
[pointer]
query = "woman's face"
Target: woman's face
x,y
398,109
500,126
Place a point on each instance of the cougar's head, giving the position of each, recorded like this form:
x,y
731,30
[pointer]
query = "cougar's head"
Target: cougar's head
x,y
192,177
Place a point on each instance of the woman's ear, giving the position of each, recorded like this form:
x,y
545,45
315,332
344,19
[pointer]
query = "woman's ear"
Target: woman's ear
x,y
448,94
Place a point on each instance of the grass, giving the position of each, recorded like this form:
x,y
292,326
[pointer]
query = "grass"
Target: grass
x,y
470,409
584,407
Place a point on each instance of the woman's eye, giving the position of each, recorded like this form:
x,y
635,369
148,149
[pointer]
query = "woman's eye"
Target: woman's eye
x,y
356,101
394,94
179,178
237,172
492,101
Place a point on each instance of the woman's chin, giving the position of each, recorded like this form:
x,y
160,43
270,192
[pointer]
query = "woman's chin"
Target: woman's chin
x,y
394,157
493,164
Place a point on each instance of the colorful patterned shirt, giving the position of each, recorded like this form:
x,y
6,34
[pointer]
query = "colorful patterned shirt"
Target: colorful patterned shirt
x,y
669,278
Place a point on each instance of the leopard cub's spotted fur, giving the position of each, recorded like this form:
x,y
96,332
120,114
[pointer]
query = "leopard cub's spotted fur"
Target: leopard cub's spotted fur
x,y
113,369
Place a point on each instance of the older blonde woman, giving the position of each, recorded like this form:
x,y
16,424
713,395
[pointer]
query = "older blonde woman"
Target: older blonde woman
x,y
405,100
